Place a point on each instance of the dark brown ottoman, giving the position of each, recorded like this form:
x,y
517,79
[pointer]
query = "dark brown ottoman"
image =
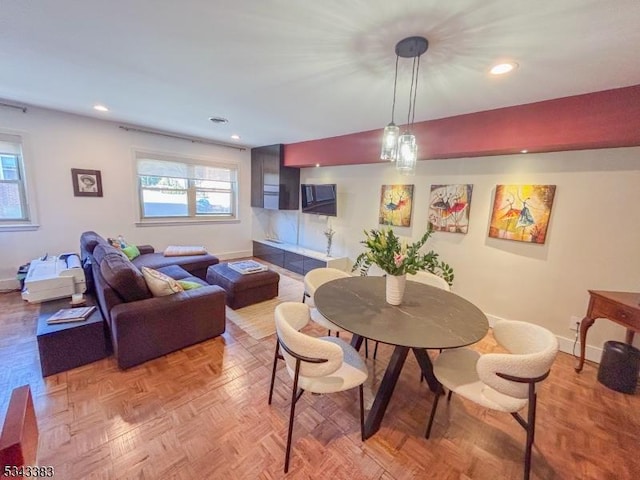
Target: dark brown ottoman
x,y
243,290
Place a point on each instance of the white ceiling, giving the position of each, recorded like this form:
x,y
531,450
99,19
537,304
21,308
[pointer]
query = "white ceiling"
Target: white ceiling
x,y
284,71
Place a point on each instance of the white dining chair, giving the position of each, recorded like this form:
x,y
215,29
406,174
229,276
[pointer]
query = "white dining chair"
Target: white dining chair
x,y
504,382
312,281
317,365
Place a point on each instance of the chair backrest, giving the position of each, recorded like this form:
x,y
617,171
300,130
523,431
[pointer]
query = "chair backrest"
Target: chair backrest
x,y
319,276
428,278
532,348
290,317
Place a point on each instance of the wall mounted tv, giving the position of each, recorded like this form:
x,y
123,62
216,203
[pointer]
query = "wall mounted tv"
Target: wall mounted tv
x,y
319,199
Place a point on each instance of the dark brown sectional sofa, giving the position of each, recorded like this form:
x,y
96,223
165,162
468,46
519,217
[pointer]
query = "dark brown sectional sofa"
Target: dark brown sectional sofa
x,y
141,326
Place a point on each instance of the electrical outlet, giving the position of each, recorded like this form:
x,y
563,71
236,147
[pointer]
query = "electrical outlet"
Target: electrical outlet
x,y
574,323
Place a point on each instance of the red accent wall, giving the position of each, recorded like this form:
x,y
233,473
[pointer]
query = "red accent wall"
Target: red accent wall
x,y
606,119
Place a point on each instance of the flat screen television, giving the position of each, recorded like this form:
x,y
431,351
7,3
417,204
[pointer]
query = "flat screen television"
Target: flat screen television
x,y
319,199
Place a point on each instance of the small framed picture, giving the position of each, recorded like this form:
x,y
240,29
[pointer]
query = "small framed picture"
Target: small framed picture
x,y
86,183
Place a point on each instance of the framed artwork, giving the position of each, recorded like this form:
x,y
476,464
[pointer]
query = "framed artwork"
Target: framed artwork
x,y
521,212
449,207
86,183
396,202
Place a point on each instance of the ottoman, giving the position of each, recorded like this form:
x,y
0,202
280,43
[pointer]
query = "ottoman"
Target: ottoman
x,y
243,290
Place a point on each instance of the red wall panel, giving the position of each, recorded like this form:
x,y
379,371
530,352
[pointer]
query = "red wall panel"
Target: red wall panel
x,y
604,119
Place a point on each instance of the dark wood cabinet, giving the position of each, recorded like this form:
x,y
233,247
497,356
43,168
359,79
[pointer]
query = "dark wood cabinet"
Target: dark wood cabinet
x,y
283,256
268,253
273,186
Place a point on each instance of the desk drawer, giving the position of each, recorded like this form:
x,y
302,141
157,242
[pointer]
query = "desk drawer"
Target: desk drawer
x,y
617,313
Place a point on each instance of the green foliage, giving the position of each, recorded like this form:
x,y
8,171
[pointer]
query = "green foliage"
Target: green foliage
x,y
385,250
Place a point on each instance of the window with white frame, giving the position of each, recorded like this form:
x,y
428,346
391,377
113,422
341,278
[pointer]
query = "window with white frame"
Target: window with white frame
x,y
184,190
14,207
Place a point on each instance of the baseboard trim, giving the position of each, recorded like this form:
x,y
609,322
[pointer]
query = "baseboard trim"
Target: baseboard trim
x,y
9,284
593,354
234,255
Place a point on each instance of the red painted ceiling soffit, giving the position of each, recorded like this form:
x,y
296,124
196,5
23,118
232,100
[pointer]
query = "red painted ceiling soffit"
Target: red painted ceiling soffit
x,y
606,119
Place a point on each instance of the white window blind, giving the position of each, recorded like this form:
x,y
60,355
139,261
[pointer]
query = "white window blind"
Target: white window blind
x,y
171,188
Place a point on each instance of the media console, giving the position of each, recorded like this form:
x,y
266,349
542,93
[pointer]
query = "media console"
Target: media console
x,y
295,258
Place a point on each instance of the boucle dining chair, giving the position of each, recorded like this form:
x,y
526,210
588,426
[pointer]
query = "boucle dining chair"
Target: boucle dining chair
x,y
312,281
505,382
317,365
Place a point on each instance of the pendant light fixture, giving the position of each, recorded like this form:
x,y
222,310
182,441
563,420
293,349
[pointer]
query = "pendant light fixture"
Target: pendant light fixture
x,y
403,149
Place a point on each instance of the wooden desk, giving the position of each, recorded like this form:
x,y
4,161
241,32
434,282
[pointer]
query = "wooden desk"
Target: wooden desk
x,y
428,317
619,307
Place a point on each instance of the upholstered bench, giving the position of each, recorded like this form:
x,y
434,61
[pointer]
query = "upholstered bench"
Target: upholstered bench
x,y
243,290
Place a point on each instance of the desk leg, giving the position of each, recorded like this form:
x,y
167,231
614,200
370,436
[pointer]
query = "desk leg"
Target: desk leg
x,y
584,326
629,336
427,369
391,375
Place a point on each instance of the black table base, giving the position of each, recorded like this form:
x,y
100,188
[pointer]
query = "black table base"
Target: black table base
x,y
388,385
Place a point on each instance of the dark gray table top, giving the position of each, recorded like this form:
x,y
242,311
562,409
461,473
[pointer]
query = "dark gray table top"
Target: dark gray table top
x,y
428,317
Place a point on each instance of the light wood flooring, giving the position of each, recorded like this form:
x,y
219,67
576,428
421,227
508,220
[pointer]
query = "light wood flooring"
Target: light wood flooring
x,y
202,413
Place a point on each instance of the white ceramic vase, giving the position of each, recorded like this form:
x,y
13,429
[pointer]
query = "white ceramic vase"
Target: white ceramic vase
x,y
395,288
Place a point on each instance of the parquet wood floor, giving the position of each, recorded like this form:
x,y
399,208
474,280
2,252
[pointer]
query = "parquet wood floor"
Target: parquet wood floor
x,y
202,413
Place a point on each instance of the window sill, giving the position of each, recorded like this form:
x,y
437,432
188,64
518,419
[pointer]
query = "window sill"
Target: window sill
x,y
173,222
32,227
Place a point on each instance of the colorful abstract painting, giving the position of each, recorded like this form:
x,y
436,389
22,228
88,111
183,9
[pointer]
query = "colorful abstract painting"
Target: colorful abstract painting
x,y
521,212
396,202
449,207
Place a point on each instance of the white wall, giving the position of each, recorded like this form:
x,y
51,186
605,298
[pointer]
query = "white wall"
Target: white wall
x,y
57,142
593,240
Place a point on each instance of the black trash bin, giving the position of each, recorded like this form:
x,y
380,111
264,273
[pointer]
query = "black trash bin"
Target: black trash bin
x,y
619,367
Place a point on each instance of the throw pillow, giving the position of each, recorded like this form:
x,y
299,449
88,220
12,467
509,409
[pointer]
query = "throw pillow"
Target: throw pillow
x,y
131,251
187,285
186,250
159,283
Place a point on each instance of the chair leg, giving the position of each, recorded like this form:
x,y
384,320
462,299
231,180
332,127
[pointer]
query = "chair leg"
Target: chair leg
x,y
531,430
433,414
375,351
294,398
273,371
366,348
362,412
449,395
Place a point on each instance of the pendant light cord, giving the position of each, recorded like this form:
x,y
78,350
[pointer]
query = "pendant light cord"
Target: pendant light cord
x,y
415,92
395,83
411,93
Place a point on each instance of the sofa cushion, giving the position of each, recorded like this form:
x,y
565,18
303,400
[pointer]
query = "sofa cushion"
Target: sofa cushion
x,y
160,284
123,277
90,240
104,249
175,272
191,263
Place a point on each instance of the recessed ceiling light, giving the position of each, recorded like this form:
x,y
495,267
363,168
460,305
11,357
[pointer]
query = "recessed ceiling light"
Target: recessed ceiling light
x,y
235,137
524,151
502,68
317,164
100,108
218,120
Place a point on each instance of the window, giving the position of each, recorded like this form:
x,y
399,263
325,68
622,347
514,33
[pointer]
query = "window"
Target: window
x,y
178,189
14,208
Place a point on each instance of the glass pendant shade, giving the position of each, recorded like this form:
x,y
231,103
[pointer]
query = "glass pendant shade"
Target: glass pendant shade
x,y
407,154
390,142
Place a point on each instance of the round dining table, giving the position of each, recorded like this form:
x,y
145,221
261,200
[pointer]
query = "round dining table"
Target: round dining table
x,y
427,318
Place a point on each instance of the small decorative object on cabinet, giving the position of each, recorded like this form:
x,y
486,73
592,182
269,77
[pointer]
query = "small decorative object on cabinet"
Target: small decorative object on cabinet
x,y
273,186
